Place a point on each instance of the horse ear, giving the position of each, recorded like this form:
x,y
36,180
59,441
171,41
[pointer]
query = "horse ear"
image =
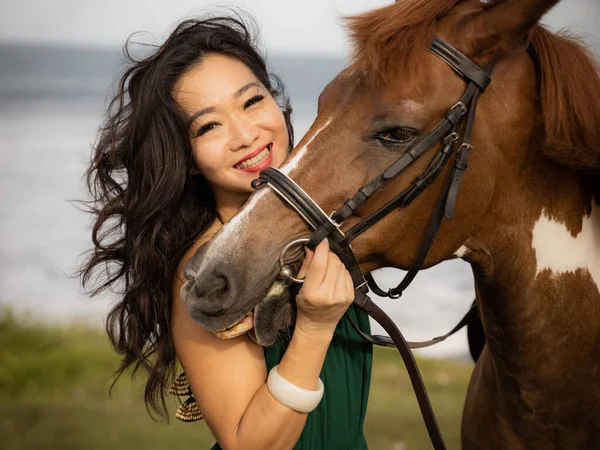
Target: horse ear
x,y
500,26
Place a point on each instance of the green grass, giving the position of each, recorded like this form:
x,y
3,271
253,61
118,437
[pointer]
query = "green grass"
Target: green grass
x,y
393,415
54,384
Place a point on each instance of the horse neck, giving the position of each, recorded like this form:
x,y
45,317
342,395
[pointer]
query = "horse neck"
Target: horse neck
x,y
536,263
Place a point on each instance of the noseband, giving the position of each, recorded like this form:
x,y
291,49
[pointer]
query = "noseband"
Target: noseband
x,y
461,115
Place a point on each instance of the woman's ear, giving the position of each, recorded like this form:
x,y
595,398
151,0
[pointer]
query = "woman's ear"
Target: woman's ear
x,y
502,26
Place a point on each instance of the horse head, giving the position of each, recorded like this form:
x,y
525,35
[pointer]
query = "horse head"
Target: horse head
x,y
389,98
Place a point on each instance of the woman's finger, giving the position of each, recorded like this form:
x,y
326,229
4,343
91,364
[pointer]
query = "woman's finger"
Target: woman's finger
x,y
348,286
344,285
306,263
340,283
334,268
318,266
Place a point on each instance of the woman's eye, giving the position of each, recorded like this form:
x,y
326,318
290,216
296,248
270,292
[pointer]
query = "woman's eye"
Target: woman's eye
x,y
253,100
206,128
397,135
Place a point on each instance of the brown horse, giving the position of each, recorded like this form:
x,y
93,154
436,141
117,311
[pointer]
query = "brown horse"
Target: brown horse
x,y
527,217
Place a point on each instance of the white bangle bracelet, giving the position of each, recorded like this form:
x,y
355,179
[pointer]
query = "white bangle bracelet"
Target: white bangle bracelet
x,y
292,396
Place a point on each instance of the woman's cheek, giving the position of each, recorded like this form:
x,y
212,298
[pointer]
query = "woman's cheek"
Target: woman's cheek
x,y
279,129
281,154
272,117
206,154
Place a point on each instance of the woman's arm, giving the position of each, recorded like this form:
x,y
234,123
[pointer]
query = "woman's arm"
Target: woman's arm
x,y
228,377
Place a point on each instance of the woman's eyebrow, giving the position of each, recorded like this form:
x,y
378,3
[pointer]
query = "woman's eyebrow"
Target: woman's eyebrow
x,y
198,114
243,89
210,109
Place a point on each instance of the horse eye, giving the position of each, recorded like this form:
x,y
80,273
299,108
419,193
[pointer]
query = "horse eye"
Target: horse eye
x,y
397,135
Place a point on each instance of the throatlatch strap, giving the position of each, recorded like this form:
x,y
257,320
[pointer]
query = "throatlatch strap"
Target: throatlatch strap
x,y
424,247
463,154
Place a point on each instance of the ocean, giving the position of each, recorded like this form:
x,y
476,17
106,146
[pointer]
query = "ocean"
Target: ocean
x,y
52,101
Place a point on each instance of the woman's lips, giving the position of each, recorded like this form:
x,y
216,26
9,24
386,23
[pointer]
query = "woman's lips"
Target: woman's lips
x,y
258,162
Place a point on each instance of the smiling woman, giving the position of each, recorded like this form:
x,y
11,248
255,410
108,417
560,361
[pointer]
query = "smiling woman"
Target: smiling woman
x,y
191,126
246,121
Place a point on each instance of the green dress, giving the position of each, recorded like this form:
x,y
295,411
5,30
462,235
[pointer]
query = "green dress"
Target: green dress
x,y
337,423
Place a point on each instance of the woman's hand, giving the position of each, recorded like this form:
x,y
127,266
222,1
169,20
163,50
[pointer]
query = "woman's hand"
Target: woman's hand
x,y
327,291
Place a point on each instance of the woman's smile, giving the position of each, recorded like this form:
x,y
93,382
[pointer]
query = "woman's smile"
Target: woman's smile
x,y
236,126
256,161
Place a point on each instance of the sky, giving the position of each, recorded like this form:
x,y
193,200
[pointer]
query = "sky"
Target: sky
x,y
301,26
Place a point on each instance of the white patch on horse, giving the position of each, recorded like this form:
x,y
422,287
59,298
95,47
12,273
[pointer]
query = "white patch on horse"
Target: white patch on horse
x,y
557,250
292,164
411,107
221,244
461,252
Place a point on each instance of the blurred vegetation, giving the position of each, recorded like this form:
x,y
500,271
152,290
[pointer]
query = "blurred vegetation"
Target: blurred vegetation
x,y
54,395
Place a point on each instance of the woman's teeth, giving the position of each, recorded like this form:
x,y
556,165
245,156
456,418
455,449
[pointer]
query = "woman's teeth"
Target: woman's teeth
x,y
256,160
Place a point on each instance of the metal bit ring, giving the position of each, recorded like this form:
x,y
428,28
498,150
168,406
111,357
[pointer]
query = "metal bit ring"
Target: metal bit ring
x,y
286,272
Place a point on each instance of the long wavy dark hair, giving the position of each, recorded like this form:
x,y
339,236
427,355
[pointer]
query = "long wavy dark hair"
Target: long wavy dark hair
x,y
148,208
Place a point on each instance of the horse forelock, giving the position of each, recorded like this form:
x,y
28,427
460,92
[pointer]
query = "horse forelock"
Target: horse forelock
x,y
389,40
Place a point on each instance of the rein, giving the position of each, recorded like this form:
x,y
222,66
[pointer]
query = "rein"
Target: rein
x,y
461,115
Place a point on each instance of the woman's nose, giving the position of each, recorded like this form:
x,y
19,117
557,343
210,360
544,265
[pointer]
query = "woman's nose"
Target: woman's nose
x,y
244,133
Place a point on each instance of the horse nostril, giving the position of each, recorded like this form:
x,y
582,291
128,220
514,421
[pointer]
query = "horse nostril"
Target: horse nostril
x,y
211,294
214,295
221,286
214,289
188,271
189,274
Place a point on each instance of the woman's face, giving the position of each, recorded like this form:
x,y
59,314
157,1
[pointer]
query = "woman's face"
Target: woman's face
x,y
235,126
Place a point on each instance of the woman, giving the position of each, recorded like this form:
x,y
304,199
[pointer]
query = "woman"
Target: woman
x,y
191,126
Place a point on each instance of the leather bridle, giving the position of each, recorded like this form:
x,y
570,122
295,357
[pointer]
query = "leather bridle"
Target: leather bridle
x,y
448,131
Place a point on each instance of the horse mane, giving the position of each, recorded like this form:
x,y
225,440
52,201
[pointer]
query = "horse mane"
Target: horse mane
x,y
388,41
569,96
402,28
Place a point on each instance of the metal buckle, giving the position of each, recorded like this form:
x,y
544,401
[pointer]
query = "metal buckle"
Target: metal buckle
x,y
285,271
466,146
336,224
451,137
462,107
393,296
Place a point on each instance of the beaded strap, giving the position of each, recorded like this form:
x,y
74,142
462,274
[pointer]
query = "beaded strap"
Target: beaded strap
x,y
188,411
